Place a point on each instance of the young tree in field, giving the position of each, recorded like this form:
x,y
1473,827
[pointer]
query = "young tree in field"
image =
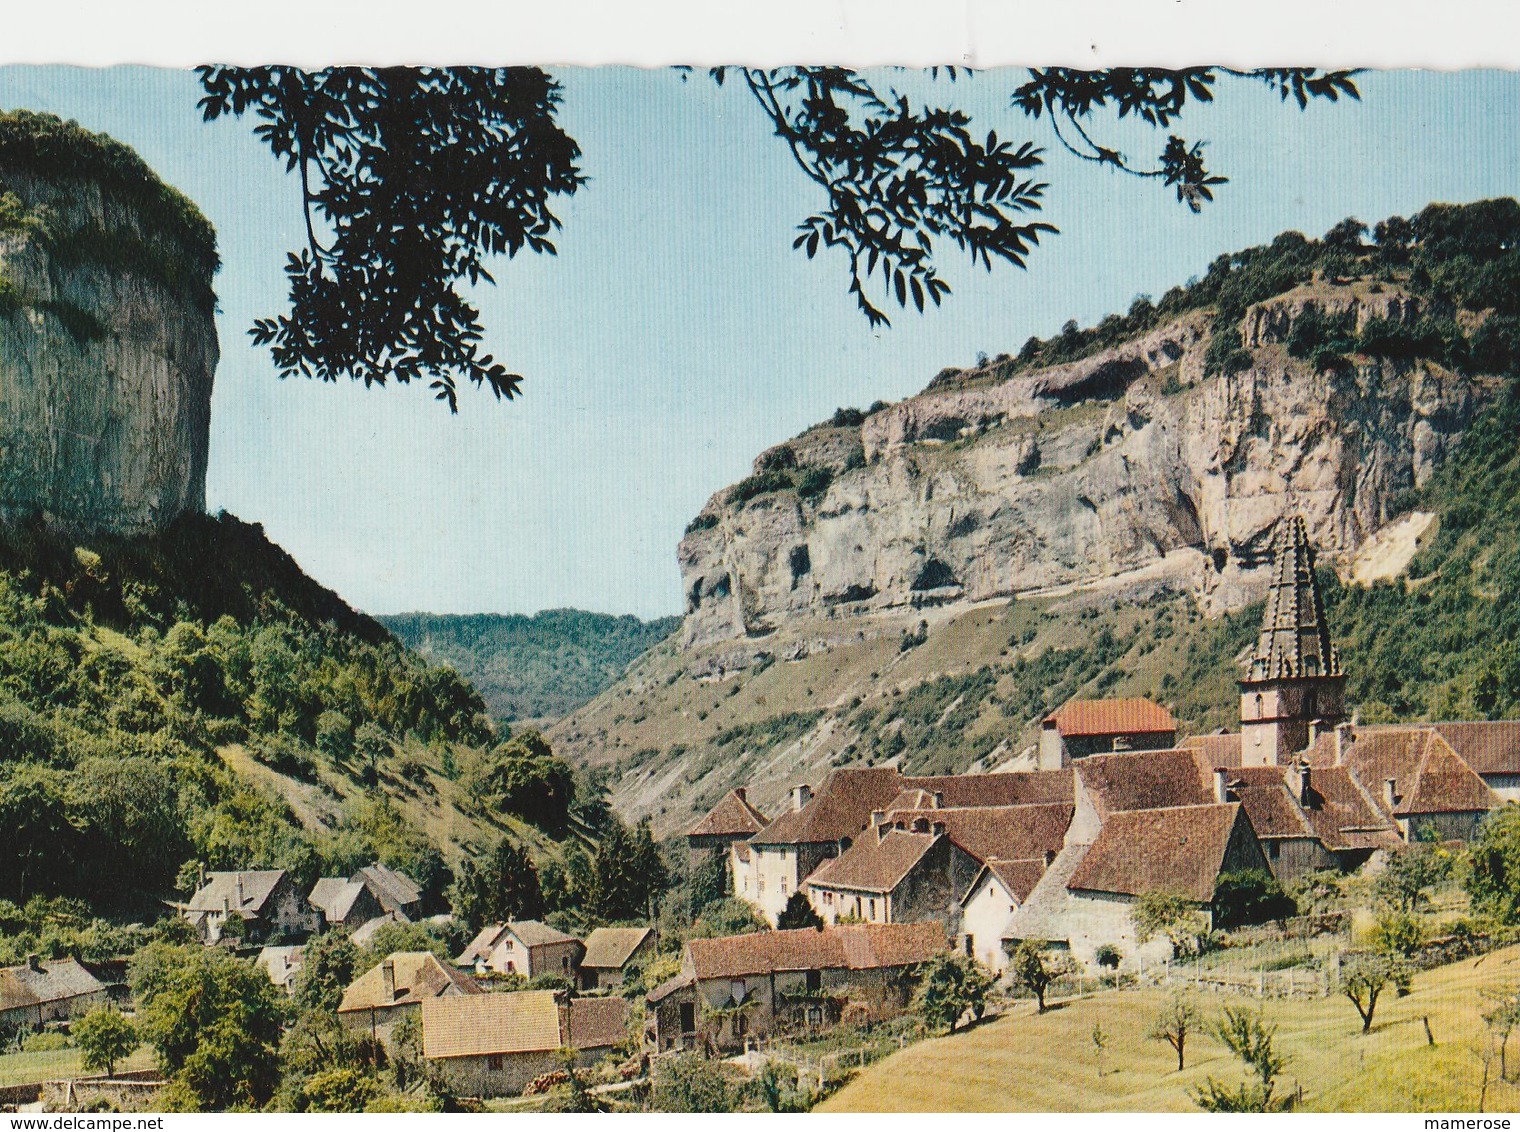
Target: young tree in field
x,y
1100,1043
1032,970
104,1037
1176,1021
1365,976
1250,1039
952,986
798,913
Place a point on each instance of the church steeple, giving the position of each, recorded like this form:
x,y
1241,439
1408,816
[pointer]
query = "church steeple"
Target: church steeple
x,y
1294,681
1294,641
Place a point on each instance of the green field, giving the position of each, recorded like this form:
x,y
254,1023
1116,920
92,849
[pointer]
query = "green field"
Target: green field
x,y
1028,1062
25,1068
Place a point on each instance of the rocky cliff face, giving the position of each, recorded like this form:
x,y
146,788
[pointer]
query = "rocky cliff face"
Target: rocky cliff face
x,y
107,338
1129,462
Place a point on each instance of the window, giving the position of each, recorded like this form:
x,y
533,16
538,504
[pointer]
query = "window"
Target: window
x,y
783,886
760,884
1259,702
736,990
493,1062
1273,849
873,908
564,962
828,899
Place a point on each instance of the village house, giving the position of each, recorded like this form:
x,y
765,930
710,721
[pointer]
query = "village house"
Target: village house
x,y
398,985
732,820
1086,898
372,893
739,986
1094,727
920,858
265,900
777,861
1490,747
344,903
524,947
47,990
610,952
492,1045
997,890
282,964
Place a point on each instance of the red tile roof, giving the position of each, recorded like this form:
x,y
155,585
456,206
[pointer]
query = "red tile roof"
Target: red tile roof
x,y
733,816
1111,717
1005,832
1179,850
872,864
852,947
1144,780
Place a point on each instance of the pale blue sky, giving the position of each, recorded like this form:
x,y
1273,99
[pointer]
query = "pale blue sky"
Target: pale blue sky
x,y
677,333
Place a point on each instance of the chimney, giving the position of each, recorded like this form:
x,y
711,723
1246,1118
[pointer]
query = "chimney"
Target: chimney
x,y
1345,735
1390,799
200,875
34,962
240,889
388,979
742,792
878,817
937,800
1221,785
800,795
1301,782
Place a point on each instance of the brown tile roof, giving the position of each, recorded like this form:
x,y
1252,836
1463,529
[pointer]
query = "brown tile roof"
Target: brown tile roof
x,y
1343,815
1018,877
1179,850
420,976
733,816
1429,777
596,1023
52,980
1269,802
1488,746
1006,832
852,947
610,948
1111,717
872,864
245,891
1144,780
1011,788
841,807
486,1024
1215,750
395,890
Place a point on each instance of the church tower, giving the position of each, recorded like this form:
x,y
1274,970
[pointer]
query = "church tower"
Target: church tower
x,y
1295,679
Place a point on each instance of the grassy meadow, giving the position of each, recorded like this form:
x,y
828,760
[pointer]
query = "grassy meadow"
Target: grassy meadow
x,y
1023,1061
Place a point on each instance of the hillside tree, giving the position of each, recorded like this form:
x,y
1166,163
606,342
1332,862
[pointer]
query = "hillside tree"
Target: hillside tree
x,y
104,1037
412,179
503,886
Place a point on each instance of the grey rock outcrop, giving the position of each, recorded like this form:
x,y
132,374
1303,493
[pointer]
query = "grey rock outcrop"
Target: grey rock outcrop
x,y
107,352
1127,462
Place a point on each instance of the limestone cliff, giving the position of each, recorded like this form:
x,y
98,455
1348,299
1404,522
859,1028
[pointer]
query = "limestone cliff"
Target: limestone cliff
x,y
107,339
1130,461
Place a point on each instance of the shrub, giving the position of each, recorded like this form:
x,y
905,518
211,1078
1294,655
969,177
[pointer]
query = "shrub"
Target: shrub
x,y
688,1083
1251,896
1107,956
